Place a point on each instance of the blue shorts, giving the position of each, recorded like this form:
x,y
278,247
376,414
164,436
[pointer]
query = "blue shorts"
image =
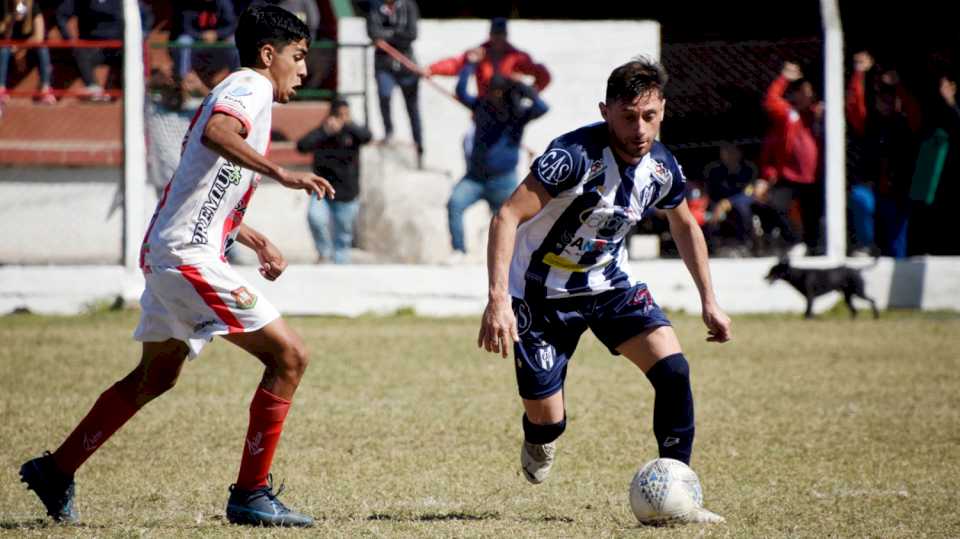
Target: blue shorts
x,y
550,330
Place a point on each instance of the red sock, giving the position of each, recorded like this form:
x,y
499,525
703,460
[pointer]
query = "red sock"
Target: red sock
x,y
108,414
267,412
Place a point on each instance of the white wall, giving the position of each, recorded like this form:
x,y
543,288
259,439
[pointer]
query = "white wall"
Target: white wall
x,y
926,283
579,55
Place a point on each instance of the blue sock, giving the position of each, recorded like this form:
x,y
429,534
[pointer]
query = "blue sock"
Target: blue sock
x,y
672,407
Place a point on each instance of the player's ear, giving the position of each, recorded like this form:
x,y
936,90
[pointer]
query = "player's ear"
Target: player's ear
x,y
267,54
663,108
603,110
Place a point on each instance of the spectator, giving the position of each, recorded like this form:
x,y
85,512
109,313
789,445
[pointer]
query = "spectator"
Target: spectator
x,y
22,20
98,20
937,177
499,120
791,156
211,22
336,157
730,207
394,22
496,57
886,120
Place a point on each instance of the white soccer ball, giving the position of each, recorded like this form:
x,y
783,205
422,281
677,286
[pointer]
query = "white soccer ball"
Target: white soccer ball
x,y
663,491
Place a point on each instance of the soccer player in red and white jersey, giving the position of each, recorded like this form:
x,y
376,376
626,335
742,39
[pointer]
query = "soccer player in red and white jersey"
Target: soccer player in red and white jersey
x,y
192,293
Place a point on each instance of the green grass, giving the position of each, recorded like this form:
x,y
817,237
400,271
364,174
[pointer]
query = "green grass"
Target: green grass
x,y
401,428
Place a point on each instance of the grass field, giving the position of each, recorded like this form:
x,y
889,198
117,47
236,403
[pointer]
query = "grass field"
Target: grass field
x,y
403,429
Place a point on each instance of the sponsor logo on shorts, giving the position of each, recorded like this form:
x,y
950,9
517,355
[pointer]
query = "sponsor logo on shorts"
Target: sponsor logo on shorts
x,y
243,298
642,298
555,166
229,174
523,317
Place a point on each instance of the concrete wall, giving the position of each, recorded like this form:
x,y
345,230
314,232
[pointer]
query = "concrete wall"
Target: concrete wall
x,y
925,283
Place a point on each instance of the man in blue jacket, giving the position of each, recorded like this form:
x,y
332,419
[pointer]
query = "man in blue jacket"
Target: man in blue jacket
x,y
499,119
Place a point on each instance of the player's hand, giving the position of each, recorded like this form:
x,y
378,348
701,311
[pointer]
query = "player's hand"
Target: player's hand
x,y
498,328
717,322
272,262
308,181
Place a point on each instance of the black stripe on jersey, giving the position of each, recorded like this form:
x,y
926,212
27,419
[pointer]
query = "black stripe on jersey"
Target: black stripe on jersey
x,y
577,283
537,271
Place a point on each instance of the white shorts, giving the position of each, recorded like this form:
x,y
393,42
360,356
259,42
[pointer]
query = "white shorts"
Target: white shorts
x,y
194,303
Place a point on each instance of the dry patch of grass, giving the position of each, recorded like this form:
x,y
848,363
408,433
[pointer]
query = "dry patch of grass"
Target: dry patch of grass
x,y
403,429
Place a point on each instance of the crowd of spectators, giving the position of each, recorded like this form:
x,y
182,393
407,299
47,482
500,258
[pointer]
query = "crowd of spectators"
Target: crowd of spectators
x,y
900,167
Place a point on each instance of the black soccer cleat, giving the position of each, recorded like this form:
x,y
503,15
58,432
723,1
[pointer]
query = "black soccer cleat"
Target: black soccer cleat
x,y
260,507
54,488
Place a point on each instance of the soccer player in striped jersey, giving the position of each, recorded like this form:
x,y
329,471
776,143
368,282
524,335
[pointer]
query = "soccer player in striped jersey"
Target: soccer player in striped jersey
x,y
191,291
557,265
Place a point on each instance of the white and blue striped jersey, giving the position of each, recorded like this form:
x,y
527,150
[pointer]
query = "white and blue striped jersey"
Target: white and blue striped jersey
x,y
575,245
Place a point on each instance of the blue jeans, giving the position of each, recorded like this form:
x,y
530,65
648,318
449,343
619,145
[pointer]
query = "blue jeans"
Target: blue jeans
x,y
862,205
320,213
43,60
467,192
409,85
892,218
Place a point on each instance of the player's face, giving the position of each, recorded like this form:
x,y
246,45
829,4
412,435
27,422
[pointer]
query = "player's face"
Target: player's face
x,y
288,69
634,125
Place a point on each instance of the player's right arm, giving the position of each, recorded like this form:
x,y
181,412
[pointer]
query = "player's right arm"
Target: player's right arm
x,y
498,328
224,134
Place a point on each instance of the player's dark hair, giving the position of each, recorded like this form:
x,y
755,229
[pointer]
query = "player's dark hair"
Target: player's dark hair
x,y
636,78
266,25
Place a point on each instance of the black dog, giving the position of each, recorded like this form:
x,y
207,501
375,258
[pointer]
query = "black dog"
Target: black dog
x,y
817,282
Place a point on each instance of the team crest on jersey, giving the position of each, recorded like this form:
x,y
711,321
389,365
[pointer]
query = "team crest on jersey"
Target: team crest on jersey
x,y
243,298
555,166
596,169
660,173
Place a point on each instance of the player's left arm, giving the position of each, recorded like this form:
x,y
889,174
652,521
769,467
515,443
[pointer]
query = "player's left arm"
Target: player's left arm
x,y
272,262
693,249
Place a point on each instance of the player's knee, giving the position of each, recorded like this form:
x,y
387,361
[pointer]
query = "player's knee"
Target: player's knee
x,y
670,371
542,434
293,361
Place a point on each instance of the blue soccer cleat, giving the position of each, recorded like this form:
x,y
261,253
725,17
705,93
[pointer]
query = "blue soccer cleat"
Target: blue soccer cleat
x,y
260,507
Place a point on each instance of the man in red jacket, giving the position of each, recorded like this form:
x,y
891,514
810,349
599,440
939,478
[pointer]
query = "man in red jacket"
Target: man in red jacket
x,y
496,57
791,153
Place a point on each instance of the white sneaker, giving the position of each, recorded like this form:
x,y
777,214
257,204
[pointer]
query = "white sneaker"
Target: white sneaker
x,y
701,516
457,258
536,460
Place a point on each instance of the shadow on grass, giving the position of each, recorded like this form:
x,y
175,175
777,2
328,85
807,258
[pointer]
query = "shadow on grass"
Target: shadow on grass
x,y
42,524
432,517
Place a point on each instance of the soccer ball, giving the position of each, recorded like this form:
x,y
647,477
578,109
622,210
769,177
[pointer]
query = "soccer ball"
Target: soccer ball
x,y
665,491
